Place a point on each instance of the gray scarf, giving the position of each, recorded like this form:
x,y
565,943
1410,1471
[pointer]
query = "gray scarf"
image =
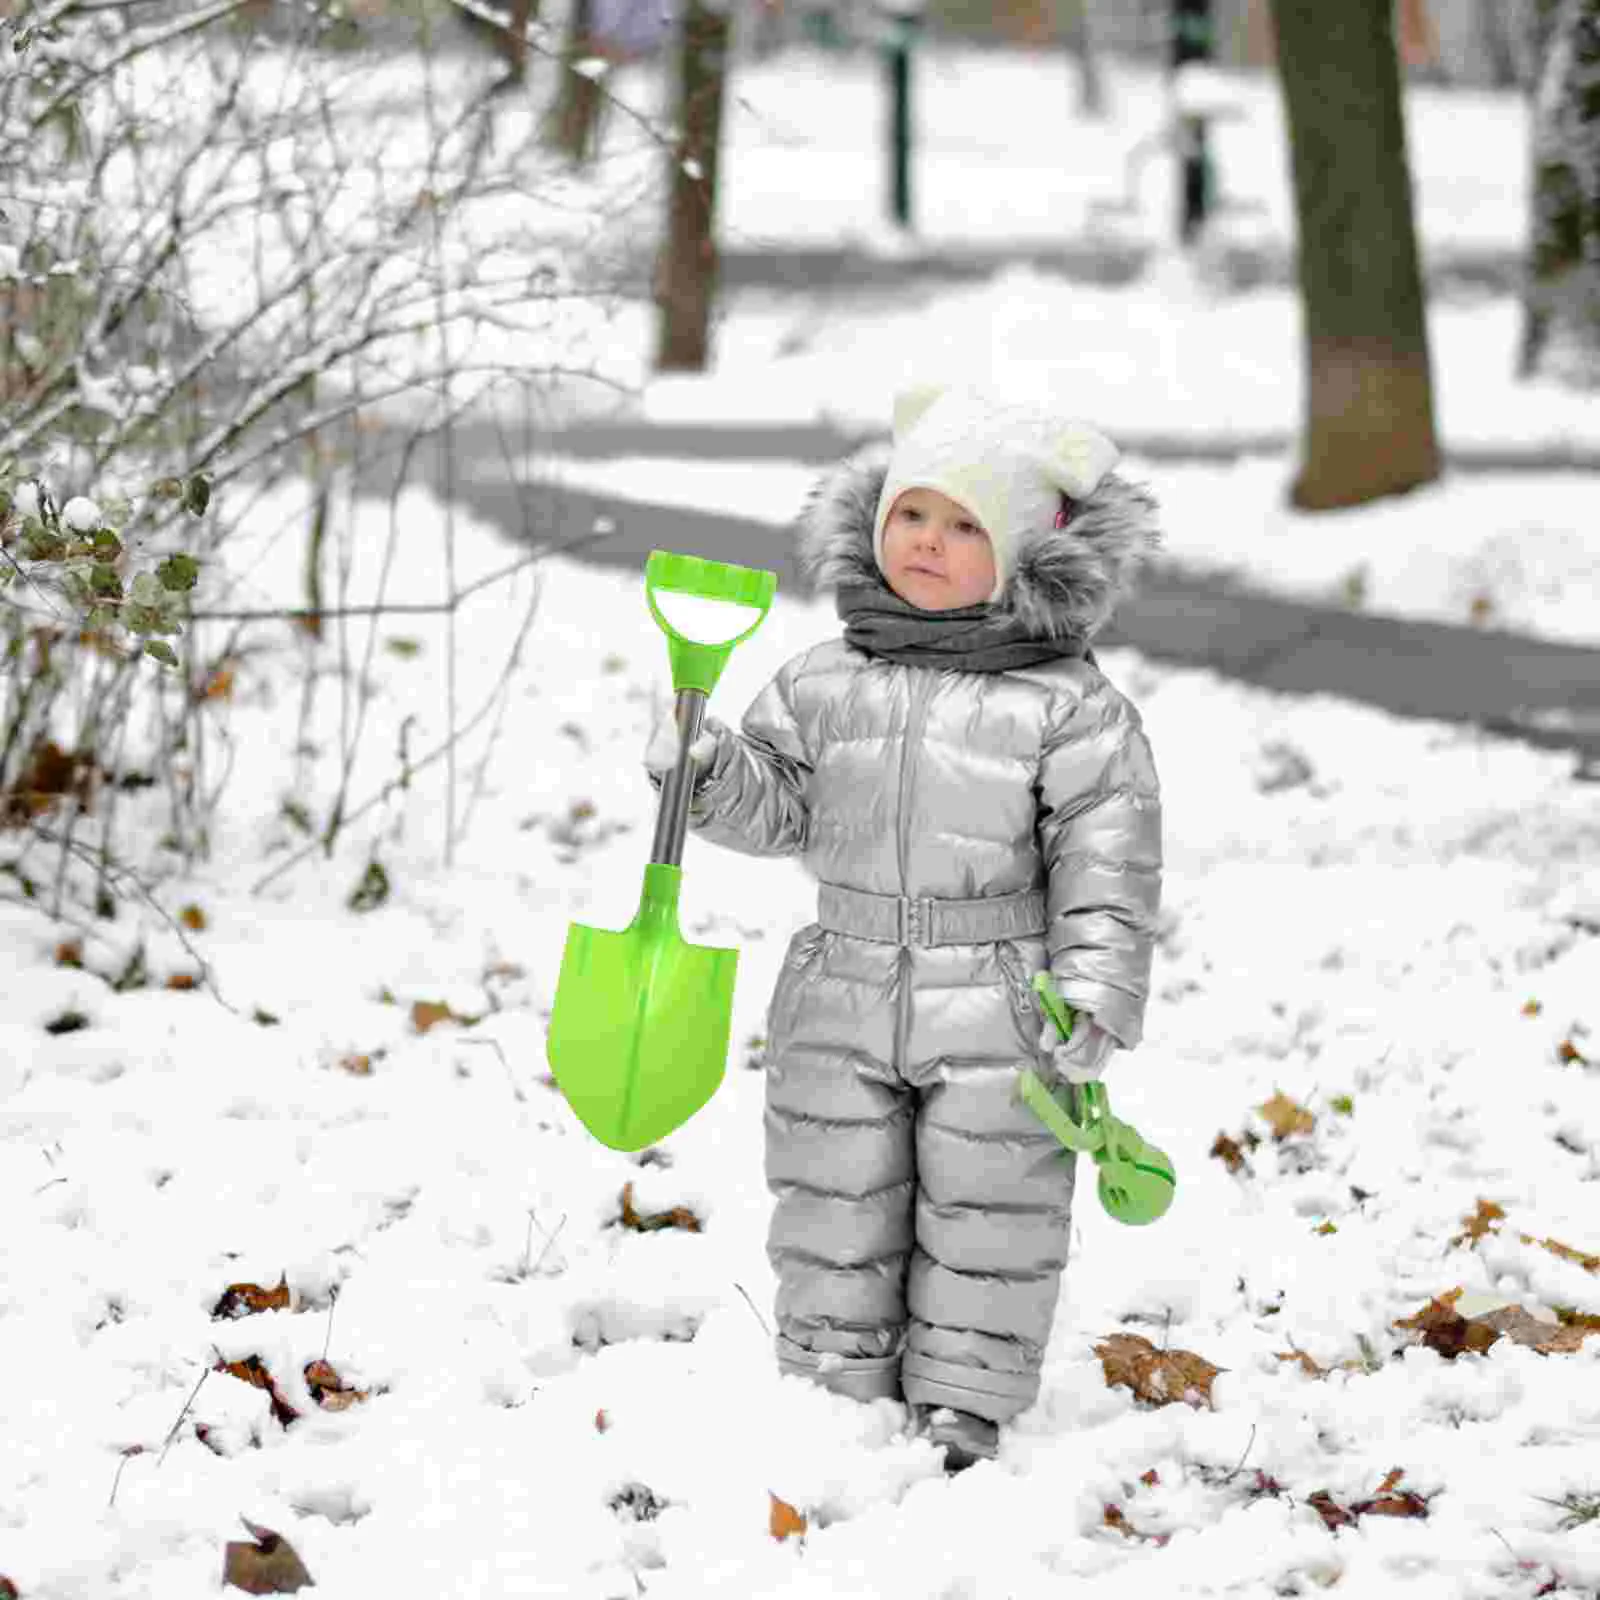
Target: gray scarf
x,y
969,639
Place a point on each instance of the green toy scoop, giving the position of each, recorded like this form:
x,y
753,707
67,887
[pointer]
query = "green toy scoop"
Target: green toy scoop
x,y
638,1035
1137,1182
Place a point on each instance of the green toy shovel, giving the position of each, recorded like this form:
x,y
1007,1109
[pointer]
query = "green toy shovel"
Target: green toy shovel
x,y
1136,1179
638,1035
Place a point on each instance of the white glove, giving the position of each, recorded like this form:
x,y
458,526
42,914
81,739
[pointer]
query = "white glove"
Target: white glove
x,y
661,754
1083,1057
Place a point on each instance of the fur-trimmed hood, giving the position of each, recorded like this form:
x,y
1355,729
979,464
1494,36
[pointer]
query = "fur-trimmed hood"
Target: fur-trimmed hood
x,y
1067,581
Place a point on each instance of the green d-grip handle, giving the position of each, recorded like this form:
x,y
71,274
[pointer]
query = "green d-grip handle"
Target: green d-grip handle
x,y
696,665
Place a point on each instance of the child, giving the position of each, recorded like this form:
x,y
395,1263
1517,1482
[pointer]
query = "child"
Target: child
x,y
977,803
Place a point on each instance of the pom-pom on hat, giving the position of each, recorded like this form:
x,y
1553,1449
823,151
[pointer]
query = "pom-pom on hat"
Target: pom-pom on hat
x,y
1006,462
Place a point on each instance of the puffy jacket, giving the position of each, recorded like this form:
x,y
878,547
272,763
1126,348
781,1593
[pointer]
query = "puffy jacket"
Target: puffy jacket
x,y
965,829
907,781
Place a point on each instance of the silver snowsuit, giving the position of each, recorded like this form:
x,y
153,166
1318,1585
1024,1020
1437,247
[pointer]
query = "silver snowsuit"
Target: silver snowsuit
x,y
966,829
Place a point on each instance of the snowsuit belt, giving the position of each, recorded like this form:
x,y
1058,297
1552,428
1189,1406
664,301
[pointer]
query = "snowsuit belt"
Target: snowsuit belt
x,y
907,920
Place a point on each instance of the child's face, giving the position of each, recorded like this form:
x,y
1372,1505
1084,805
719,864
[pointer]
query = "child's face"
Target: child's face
x,y
935,556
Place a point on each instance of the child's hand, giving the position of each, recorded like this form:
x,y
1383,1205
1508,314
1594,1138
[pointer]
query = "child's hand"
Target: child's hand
x,y
661,754
1083,1057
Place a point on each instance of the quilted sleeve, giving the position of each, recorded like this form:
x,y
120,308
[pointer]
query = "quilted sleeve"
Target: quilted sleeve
x,y
751,797
1100,832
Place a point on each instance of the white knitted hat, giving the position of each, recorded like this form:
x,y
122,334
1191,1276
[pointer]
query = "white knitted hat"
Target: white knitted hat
x,y
1007,462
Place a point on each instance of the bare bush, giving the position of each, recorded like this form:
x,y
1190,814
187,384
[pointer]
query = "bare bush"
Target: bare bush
x,y
237,254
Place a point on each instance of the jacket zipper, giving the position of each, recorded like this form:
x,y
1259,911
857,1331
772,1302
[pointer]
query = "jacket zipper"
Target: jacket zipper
x,y
921,687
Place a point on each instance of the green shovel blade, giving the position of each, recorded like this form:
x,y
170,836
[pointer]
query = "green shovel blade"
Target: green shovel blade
x,y
638,1035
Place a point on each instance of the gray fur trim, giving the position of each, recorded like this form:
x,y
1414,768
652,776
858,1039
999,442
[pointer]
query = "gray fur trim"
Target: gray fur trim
x,y
1067,583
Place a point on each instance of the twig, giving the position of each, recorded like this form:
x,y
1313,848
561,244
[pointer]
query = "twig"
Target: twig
x,y
753,1312
549,1243
333,1300
173,1433
494,1044
1238,1469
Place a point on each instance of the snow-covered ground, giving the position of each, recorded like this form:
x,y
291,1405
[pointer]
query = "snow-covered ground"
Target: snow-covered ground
x,y
1394,925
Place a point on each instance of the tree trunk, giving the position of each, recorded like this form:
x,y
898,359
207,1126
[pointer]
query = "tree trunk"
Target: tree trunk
x,y
576,117
1369,427
1091,83
1561,299
515,42
687,282
1494,40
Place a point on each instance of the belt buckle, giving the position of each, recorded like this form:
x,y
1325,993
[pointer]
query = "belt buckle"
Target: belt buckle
x,y
915,917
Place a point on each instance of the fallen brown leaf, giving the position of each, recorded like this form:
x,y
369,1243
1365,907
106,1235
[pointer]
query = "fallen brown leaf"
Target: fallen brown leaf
x,y
328,1389
246,1299
1231,1154
677,1217
1150,1479
1113,1517
1570,1055
1158,1377
784,1520
1391,1500
69,953
1285,1117
252,1371
1445,1330
1481,1222
1531,1008
1307,1365
193,918
1482,608
357,1066
219,686
426,1014
270,1566
1334,1516
183,981
8,1590
601,1421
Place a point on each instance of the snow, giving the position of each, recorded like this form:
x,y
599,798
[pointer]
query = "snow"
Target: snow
x,y
1438,881
1403,914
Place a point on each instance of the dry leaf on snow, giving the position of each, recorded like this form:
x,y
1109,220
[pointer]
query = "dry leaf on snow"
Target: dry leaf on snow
x,y
1231,1152
269,1566
1285,1117
1158,1377
1113,1517
784,1520
193,918
183,981
246,1299
1389,1501
329,1390
426,1014
251,1370
1481,1222
677,1217
1443,1329
8,1590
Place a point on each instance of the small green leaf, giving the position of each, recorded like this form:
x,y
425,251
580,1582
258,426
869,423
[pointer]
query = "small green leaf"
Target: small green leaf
x,y
197,494
1343,1104
105,583
178,573
161,651
105,544
373,889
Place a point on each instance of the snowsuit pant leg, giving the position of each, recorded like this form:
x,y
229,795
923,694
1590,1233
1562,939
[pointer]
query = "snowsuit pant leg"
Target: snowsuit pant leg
x,y
841,1166
994,1199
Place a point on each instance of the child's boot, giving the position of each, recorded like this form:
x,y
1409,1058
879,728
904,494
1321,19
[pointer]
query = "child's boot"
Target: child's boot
x,y
966,1438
